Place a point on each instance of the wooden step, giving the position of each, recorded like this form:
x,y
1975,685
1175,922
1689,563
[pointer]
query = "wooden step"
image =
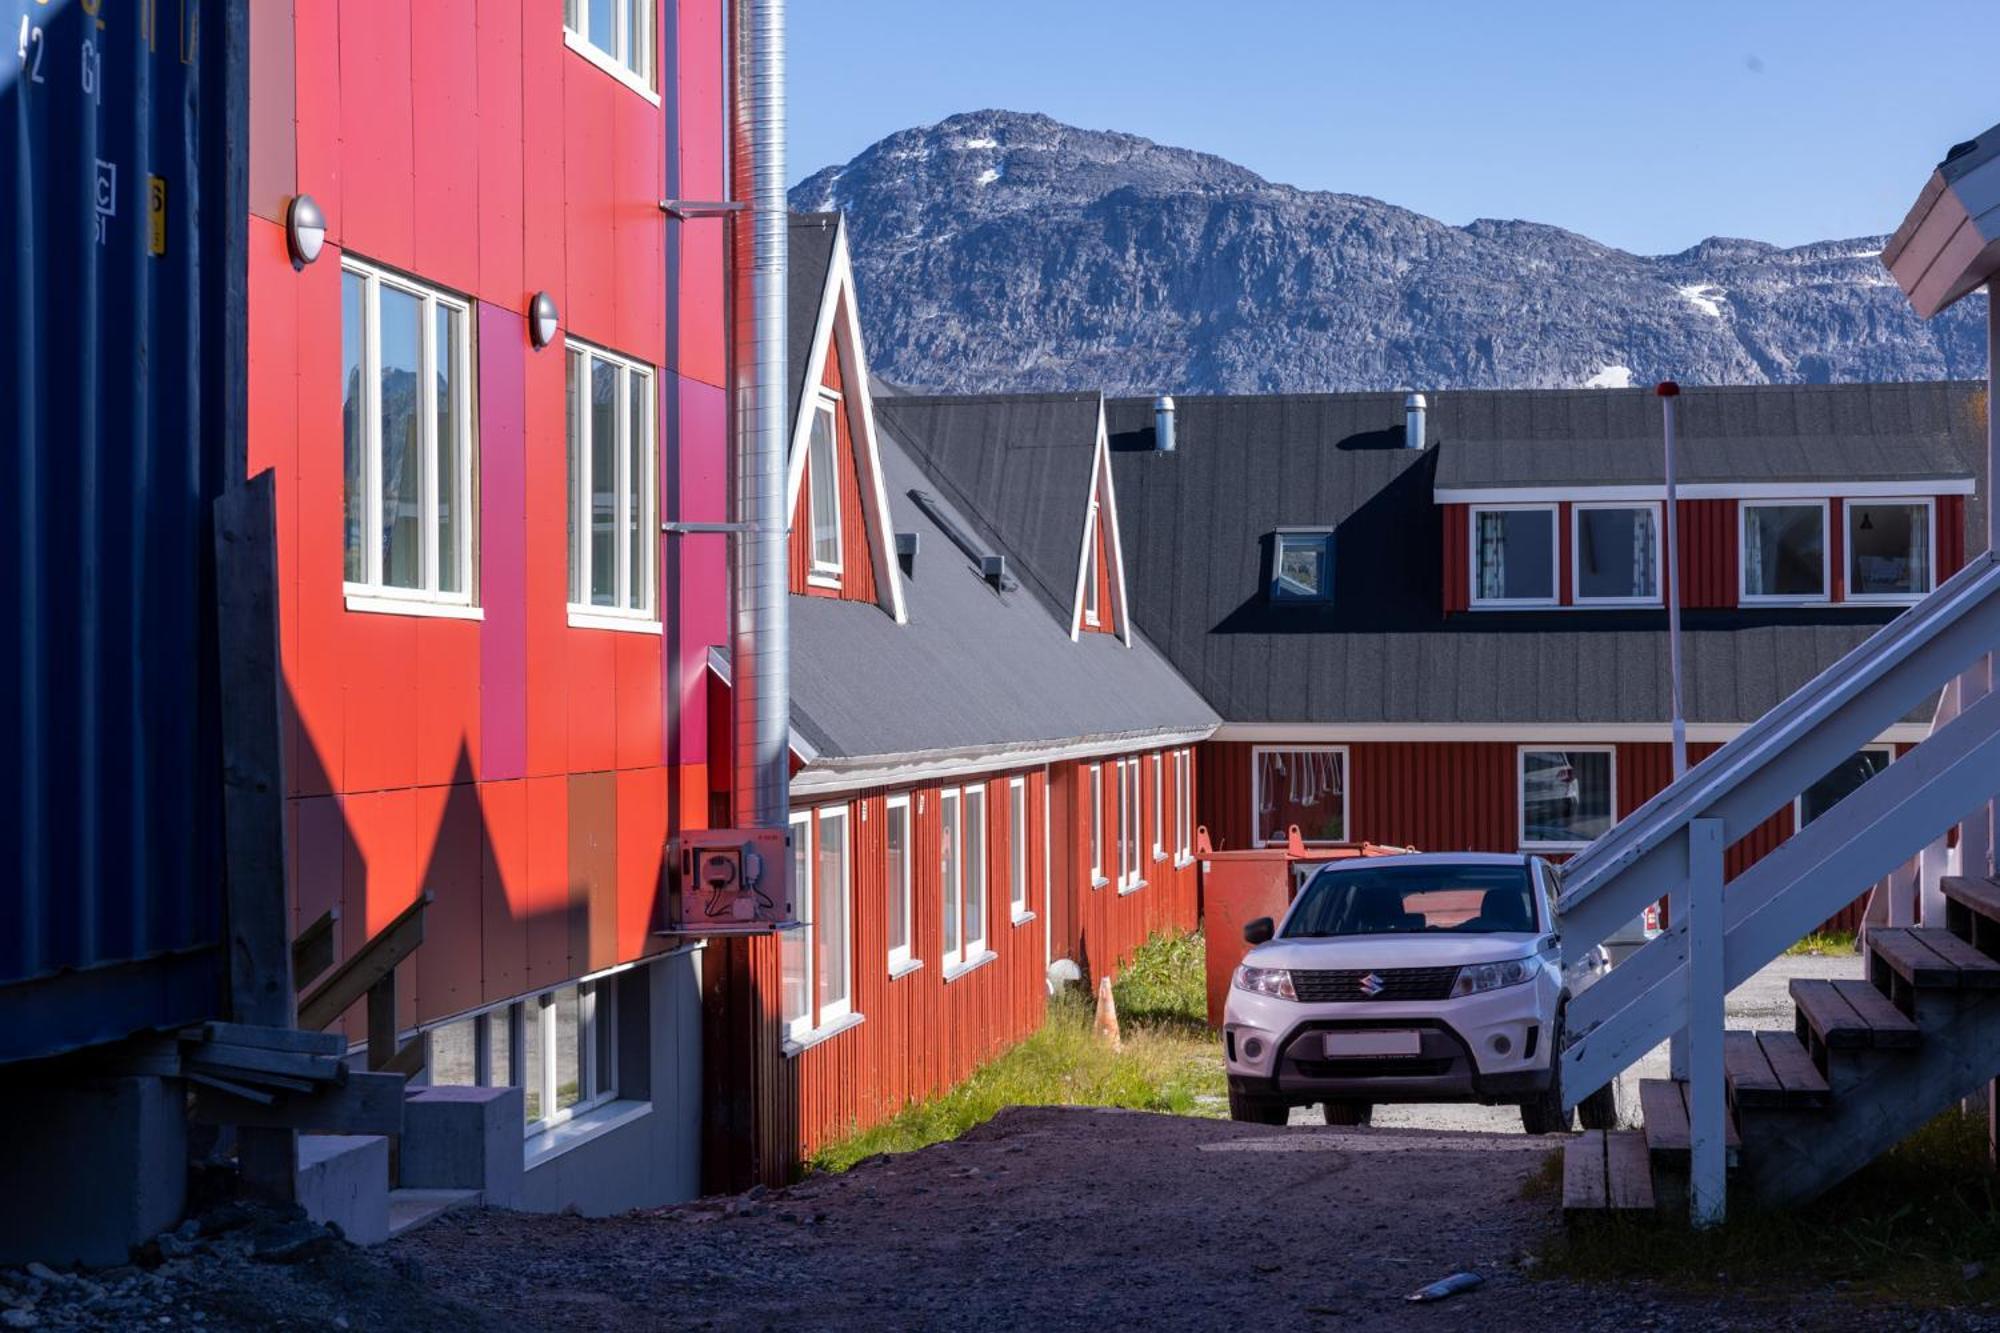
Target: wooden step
x,y
1980,896
1607,1171
1851,1015
1663,1108
1932,958
1771,1069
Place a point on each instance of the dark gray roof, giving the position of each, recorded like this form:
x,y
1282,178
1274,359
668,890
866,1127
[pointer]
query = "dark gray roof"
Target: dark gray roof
x,y
974,667
1750,434
1017,466
808,262
1197,523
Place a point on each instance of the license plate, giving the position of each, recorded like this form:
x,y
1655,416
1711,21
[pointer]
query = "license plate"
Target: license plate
x,y
1348,1045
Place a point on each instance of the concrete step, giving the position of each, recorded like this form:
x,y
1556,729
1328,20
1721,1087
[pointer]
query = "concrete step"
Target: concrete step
x,y
411,1208
1607,1171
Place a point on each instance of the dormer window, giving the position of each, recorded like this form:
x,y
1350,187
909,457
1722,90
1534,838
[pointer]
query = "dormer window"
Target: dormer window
x,y
1302,565
1889,556
1617,554
1784,552
823,469
1514,556
1091,614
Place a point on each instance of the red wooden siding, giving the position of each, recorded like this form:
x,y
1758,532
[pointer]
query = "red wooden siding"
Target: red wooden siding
x,y
1097,926
1950,535
526,772
1707,537
857,551
1457,558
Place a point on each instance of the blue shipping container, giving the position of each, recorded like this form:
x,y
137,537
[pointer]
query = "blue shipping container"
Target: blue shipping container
x,y
121,390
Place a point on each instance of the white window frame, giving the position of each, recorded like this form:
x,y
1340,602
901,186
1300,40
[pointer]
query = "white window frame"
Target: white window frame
x,y
1521,753
597,1007
643,616
1130,834
973,870
1097,879
1799,801
800,1026
832,1011
1017,851
1092,613
901,958
1257,752
1159,807
1319,537
1183,806
951,875
1744,596
1925,502
824,573
1576,512
616,59
1478,603
371,593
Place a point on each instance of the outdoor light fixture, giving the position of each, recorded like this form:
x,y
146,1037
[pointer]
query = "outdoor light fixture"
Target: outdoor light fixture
x,y
543,317
305,228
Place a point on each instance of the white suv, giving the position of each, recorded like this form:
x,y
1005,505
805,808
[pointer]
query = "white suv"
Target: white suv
x,y
1419,978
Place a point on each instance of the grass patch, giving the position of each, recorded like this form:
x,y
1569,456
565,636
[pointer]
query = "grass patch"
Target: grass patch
x,y
1169,1061
1823,943
1547,1180
1911,1225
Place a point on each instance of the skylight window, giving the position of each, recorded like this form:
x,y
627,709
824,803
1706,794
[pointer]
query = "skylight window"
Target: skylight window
x,y
1302,566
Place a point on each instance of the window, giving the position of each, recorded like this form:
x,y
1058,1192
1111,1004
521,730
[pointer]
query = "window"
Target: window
x,y
823,470
1302,566
1017,848
1183,806
963,840
831,916
1784,552
1128,825
1840,783
795,945
1159,799
896,855
1097,825
1090,611
1888,550
612,533
616,34
1514,556
1617,553
1304,785
1566,796
407,439
562,1043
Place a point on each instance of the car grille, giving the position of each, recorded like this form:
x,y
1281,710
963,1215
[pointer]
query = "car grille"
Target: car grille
x,y
1398,983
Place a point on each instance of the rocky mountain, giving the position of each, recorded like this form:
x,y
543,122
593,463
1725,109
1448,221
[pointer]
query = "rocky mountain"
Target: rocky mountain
x,y
998,251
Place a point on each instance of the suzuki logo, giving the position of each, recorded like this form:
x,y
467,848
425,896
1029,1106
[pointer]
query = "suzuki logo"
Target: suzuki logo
x,y
1371,985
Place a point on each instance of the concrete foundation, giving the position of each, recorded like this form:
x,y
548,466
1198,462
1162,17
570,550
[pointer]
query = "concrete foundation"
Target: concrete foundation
x,y
344,1179
464,1138
90,1168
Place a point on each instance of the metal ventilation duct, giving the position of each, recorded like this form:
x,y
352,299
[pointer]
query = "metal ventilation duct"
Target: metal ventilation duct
x,y
760,643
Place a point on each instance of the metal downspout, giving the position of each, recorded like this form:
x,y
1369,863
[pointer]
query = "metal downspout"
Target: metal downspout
x,y
759,642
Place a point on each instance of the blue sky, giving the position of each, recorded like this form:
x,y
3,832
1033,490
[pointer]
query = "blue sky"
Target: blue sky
x,y
1647,126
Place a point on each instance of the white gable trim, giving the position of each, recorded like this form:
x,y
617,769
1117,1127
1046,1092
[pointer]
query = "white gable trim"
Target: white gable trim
x,y
839,326
1107,511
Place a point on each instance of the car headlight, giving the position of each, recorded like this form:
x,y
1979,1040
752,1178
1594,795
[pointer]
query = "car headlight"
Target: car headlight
x,y
1274,981
1477,977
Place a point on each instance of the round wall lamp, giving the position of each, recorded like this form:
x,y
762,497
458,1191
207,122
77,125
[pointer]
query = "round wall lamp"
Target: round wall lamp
x,y
543,319
305,228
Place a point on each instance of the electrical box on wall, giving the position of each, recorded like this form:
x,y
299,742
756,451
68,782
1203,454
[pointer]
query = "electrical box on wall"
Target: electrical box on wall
x,y
730,882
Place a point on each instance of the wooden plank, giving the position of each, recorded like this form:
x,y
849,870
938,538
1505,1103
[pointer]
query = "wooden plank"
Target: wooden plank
x,y
231,1088
1981,896
1797,1074
1628,1171
1976,971
1909,957
1583,1172
382,1021
271,1039
1663,1112
257,1059
409,1058
1888,1026
368,965
1828,1014
1751,1079
365,1104
313,950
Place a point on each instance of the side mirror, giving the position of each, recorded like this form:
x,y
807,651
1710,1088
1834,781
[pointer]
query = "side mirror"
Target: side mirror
x,y
1259,931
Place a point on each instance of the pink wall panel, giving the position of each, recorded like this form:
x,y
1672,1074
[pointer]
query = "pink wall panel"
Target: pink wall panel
x,y
699,341
317,674
316,103
698,565
591,685
499,159
446,134
588,210
638,228
448,864
548,880
273,429
448,695
638,715
273,146
376,143
543,136
319,852
378,661
642,849
546,543
503,881
503,514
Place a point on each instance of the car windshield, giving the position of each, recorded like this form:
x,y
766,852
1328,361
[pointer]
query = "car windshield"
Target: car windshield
x,y
1414,900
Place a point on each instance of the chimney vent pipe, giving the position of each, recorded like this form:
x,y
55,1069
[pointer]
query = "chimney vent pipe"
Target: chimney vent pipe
x,y
1413,421
1163,423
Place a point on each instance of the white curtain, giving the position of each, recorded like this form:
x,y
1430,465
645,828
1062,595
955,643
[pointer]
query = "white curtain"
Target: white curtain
x,y
1492,556
1644,546
1753,553
1920,549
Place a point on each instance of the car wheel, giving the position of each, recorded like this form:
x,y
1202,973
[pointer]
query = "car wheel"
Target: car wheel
x,y
1348,1113
1543,1113
1256,1110
1600,1109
